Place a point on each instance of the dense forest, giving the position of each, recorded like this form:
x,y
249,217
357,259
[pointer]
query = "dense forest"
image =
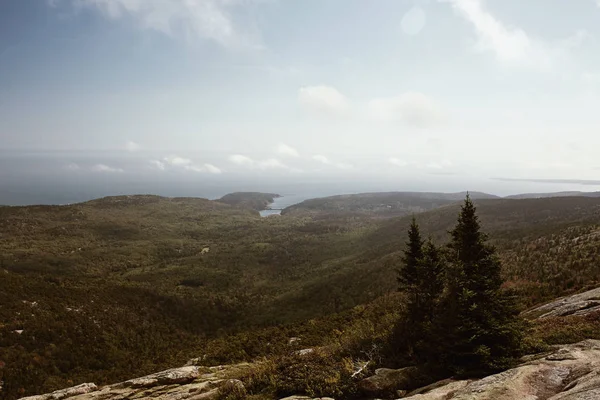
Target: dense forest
x,y
118,287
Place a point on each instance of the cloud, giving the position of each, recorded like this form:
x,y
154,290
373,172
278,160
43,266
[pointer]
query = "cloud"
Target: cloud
x,y
192,19
267,164
591,78
177,161
511,44
272,163
439,164
397,162
413,21
106,168
212,169
412,108
158,164
324,160
285,150
132,146
185,164
241,160
72,167
323,99
203,168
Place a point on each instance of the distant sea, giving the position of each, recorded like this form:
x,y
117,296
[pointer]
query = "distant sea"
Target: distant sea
x,y
58,179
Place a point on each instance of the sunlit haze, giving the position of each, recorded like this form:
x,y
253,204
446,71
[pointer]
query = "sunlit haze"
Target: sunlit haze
x,y
204,97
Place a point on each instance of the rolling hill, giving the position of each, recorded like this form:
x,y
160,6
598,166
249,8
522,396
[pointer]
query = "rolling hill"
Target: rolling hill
x,y
116,287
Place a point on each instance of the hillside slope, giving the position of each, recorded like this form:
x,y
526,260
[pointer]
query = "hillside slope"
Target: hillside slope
x,y
386,204
103,290
562,371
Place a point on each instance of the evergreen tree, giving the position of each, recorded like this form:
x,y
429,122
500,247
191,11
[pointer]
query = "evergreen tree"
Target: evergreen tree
x,y
430,273
407,275
480,323
421,280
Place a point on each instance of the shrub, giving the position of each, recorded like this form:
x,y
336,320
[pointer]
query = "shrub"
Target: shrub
x,y
317,374
232,389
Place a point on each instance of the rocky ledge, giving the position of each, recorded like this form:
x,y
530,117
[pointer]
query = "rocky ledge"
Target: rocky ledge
x,y
577,304
189,382
571,372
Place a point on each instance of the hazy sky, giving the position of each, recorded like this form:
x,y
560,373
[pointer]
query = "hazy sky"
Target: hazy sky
x,y
473,89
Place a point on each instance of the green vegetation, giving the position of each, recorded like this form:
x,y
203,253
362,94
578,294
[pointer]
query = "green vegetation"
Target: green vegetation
x,y
480,323
119,287
392,204
458,322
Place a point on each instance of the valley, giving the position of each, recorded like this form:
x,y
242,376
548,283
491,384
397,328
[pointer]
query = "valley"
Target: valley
x,y
123,286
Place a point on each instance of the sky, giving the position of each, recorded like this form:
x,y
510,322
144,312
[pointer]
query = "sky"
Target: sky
x,y
498,94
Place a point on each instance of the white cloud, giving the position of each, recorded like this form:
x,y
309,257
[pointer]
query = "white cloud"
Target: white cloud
x,y
185,164
267,164
132,146
177,161
275,164
203,168
194,168
591,78
323,99
272,163
158,164
193,19
511,44
72,167
285,150
397,162
413,21
324,160
412,108
241,160
212,169
439,164
105,168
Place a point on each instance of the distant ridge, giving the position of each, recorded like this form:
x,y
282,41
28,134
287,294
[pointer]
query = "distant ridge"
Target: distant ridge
x,y
383,204
553,194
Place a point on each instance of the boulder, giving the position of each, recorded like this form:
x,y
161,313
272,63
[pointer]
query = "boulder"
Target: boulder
x,y
386,382
571,372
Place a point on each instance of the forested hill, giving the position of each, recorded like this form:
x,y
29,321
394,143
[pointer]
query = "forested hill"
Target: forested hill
x,y
253,200
385,204
117,287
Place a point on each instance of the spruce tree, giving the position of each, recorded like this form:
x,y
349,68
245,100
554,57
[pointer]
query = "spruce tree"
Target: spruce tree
x,y
408,329
481,325
430,272
421,280
407,275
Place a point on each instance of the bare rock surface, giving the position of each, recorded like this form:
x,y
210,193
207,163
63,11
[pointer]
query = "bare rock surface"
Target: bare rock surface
x,y
577,304
66,393
572,372
306,398
188,382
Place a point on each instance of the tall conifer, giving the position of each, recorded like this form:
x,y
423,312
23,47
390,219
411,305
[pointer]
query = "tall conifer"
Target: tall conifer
x,y
481,321
407,275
